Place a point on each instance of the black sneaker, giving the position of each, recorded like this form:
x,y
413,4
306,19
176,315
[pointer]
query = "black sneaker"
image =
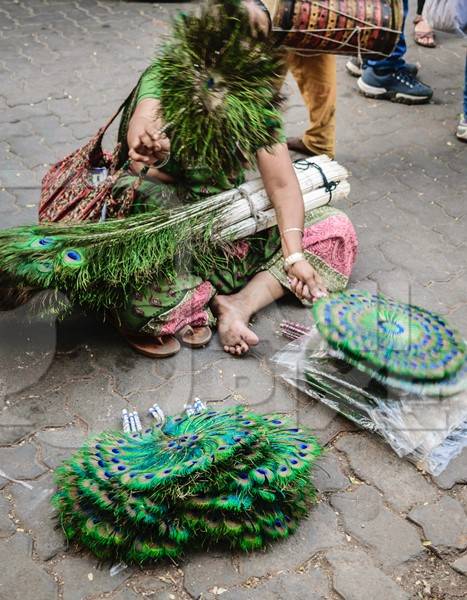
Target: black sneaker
x,y
398,86
354,67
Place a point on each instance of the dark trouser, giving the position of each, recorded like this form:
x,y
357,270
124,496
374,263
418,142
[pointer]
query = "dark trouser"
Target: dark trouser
x,y
396,60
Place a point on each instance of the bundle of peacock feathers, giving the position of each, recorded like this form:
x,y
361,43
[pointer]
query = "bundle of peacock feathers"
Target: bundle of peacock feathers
x,y
219,94
399,345
229,477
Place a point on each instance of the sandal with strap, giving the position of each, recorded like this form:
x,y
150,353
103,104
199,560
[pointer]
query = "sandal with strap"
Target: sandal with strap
x,y
195,337
153,347
427,35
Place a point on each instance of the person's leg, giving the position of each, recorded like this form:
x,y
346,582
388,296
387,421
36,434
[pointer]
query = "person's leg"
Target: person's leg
x,y
316,79
397,59
423,33
330,246
390,79
462,127
235,311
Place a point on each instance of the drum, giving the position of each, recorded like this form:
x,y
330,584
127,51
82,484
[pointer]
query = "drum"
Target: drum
x,y
370,28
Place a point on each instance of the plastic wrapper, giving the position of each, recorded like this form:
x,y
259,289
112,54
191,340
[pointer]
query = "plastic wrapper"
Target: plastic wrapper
x,y
428,430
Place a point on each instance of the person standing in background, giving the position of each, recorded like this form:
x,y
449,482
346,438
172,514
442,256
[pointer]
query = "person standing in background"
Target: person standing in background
x,y
423,34
462,127
316,78
393,78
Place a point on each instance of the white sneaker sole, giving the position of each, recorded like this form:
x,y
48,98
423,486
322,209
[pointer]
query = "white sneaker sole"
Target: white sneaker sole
x,y
384,94
352,69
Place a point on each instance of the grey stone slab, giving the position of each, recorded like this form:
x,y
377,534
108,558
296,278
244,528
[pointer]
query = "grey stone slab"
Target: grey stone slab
x,y
21,576
375,463
35,513
356,578
312,585
444,523
7,527
206,571
83,579
454,473
58,444
328,475
158,582
316,533
460,565
392,540
323,421
251,382
19,462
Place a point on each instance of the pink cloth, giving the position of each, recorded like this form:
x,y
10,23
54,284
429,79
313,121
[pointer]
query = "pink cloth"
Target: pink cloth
x,y
334,240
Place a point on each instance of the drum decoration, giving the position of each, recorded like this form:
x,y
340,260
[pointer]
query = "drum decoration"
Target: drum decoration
x,y
352,27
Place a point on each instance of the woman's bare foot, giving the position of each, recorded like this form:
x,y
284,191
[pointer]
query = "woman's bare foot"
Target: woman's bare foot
x,y
234,315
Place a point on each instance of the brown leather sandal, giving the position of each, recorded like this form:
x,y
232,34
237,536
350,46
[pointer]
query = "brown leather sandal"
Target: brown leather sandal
x,y
153,347
428,35
195,337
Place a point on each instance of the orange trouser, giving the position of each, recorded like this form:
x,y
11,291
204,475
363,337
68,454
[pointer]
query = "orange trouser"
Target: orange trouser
x,y
316,78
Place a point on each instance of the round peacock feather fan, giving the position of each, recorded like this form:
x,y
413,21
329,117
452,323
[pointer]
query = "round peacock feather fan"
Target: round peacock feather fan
x,y
231,477
390,338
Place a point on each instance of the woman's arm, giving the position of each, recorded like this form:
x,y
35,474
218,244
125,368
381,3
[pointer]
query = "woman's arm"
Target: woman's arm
x,y
283,189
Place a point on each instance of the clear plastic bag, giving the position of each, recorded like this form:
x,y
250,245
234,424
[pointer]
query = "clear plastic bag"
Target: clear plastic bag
x,y
446,15
428,430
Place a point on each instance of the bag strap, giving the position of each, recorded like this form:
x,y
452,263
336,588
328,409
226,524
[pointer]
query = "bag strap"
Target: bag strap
x,y
104,128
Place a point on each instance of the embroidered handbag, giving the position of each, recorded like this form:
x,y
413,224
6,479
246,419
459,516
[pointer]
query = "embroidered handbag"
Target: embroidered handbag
x,y
68,191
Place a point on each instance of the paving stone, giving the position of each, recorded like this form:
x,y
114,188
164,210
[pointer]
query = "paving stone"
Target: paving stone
x,y
291,586
22,578
19,462
356,578
318,532
155,585
460,565
444,523
58,444
328,475
206,571
324,422
366,518
35,512
7,527
252,384
375,463
454,473
127,593
82,578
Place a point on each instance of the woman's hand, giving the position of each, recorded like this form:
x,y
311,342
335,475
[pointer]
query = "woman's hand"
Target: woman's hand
x,y
305,282
259,20
146,143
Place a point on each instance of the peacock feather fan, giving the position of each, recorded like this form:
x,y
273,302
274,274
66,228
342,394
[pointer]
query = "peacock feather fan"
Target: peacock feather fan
x,y
397,344
219,89
228,477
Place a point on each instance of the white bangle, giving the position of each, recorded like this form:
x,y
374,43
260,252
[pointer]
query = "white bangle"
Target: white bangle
x,y
292,229
292,259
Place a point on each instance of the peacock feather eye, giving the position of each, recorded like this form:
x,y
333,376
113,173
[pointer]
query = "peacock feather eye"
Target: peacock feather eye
x,y
73,258
45,266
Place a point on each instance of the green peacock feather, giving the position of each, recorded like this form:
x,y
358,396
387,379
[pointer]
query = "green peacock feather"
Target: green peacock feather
x,y
100,264
220,477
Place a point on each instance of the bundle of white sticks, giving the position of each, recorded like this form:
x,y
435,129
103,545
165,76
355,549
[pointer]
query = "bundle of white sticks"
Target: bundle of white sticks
x,y
249,210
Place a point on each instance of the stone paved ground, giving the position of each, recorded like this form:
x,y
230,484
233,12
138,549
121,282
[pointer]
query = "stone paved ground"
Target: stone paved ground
x,y
381,529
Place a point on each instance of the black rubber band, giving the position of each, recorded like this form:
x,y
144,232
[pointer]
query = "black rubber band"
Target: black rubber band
x,y
302,164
